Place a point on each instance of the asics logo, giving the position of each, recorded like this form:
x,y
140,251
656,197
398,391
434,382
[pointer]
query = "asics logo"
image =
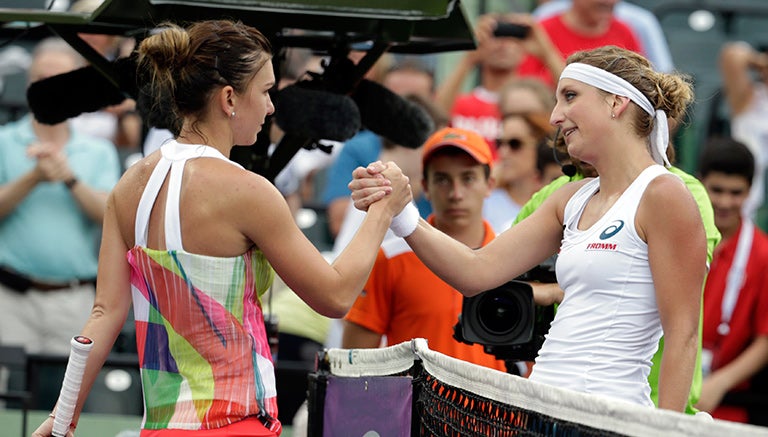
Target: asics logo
x,y
612,230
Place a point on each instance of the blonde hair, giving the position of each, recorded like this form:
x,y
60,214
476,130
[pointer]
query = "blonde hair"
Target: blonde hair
x,y
670,92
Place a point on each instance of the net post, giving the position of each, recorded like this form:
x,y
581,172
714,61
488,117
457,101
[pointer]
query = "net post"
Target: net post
x,y
317,382
417,373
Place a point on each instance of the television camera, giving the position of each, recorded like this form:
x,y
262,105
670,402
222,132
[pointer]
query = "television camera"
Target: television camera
x,y
506,320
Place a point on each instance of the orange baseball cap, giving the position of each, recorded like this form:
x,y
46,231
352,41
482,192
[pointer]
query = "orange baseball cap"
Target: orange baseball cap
x,y
466,140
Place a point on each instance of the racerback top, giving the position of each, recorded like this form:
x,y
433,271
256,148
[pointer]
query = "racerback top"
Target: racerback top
x,y
203,350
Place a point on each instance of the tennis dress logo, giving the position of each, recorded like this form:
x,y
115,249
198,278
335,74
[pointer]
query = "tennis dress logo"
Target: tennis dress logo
x,y
607,233
612,230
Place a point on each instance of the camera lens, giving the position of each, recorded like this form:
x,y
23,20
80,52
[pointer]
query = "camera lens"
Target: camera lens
x,y
499,313
501,316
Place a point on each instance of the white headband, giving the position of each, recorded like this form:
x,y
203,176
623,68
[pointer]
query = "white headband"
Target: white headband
x,y
609,82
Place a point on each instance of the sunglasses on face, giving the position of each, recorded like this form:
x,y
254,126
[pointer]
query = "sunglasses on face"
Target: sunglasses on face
x,y
513,143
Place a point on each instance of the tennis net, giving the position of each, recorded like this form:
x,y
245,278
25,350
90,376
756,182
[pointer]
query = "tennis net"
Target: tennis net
x,y
408,389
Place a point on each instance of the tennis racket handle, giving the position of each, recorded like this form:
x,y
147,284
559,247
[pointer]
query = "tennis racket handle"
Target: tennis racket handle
x,y
70,388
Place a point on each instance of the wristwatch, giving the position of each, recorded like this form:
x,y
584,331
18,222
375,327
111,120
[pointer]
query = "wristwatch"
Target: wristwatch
x,y
69,183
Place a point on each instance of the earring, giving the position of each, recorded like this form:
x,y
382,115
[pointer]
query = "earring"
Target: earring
x,y
232,115
612,115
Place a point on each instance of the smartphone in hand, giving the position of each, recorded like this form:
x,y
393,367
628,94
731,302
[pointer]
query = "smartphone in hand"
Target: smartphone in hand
x,y
511,30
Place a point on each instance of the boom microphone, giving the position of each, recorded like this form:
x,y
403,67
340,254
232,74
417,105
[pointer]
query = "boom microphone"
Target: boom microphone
x,y
57,98
316,114
391,116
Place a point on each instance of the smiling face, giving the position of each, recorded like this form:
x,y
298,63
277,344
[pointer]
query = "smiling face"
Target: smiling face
x,y
728,192
254,105
581,112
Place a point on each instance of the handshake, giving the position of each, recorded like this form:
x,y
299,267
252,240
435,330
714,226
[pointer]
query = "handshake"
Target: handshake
x,y
376,182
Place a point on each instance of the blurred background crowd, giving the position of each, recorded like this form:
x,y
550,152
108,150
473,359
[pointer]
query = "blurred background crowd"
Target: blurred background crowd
x,y
503,90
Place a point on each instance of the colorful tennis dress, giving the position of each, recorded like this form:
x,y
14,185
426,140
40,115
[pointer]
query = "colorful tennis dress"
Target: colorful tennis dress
x,y
203,350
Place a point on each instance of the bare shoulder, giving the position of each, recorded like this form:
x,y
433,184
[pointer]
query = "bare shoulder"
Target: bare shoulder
x,y
135,177
217,191
571,187
668,206
560,197
666,188
225,181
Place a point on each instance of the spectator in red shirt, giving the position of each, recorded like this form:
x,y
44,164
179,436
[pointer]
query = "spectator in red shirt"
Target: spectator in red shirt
x,y
735,329
586,25
498,59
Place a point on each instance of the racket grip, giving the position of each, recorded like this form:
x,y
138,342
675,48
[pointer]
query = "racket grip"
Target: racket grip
x,y
70,388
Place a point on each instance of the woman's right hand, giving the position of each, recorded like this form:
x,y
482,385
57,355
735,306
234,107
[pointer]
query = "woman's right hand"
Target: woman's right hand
x,y
369,185
400,194
379,181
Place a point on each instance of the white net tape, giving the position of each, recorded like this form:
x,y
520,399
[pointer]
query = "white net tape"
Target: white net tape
x,y
594,411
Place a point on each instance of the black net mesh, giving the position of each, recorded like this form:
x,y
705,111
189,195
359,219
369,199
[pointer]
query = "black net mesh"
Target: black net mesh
x,y
450,411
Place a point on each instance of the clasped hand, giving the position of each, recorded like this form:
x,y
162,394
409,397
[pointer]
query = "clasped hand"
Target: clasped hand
x,y
51,162
380,182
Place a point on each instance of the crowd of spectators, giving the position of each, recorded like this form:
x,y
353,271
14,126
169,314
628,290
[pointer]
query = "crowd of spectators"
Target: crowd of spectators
x,y
54,179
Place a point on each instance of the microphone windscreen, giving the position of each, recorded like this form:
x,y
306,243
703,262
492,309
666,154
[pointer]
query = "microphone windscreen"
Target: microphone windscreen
x,y
391,116
315,114
57,98
569,170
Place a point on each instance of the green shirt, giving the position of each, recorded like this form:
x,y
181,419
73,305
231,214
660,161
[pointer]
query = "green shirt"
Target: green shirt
x,y
713,237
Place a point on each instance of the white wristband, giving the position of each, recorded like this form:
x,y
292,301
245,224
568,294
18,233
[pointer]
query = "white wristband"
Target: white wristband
x,y
405,223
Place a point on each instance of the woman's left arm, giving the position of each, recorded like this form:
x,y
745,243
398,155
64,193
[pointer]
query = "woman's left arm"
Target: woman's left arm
x,y
669,221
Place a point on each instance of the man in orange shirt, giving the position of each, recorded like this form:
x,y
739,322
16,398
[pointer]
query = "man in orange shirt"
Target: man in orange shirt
x,y
403,299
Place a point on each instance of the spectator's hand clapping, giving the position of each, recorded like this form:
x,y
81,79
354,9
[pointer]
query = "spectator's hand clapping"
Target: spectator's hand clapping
x,y
52,164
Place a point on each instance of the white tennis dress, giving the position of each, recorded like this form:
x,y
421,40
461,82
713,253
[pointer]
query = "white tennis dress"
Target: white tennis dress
x,y
607,328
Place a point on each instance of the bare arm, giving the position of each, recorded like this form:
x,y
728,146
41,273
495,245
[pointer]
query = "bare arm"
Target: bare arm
x,y
472,271
539,44
12,193
450,87
737,59
110,308
53,166
669,221
546,294
91,201
328,289
746,365
359,337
